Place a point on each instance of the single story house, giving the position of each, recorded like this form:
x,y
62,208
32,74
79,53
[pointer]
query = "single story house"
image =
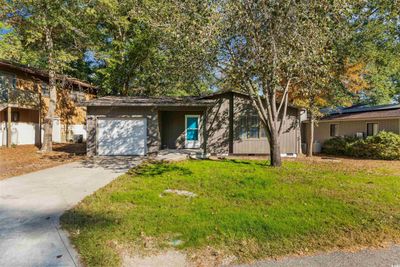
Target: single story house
x,y
24,97
355,121
219,123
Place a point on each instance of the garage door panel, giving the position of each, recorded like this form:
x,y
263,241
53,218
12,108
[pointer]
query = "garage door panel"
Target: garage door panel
x,y
121,136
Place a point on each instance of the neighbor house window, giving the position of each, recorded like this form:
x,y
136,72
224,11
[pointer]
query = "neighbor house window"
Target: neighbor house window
x,y
250,127
334,130
45,90
7,84
372,129
15,116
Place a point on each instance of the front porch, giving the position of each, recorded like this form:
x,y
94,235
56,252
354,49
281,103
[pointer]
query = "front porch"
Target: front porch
x,y
19,126
182,130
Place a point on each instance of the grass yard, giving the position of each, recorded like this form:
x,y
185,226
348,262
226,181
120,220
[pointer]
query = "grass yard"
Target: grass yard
x,y
243,208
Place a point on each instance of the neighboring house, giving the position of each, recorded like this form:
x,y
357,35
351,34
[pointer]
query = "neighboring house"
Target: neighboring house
x,y
142,125
24,97
356,121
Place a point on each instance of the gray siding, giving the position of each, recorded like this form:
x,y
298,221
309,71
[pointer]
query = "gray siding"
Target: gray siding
x,y
350,128
172,127
166,127
288,141
218,137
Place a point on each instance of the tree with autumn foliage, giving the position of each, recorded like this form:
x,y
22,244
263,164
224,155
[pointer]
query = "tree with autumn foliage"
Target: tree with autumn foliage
x,y
52,30
271,48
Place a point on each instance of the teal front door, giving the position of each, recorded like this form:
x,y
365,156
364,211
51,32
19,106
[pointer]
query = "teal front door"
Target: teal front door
x,y
192,137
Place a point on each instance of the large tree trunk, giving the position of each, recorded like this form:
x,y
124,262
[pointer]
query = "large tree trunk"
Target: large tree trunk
x,y
275,148
310,136
48,120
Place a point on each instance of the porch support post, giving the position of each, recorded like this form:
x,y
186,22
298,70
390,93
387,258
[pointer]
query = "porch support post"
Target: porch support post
x,y
8,126
205,131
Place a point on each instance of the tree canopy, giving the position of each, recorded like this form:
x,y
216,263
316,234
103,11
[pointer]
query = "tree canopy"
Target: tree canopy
x,y
169,47
374,50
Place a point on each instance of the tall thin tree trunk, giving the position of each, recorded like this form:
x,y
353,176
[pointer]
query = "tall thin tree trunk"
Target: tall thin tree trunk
x,y
276,159
311,136
48,120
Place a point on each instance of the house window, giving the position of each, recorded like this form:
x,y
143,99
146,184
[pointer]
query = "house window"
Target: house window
x,y
334,131
243,127
263,130
45,90
14,116
254,127
7,84
372,129
250,127
77,96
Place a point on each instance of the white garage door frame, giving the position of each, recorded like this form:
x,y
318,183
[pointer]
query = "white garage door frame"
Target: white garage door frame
x,y
143,139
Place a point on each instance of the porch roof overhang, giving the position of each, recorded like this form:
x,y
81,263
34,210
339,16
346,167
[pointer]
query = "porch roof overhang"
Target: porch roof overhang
x,y
134,101
3,106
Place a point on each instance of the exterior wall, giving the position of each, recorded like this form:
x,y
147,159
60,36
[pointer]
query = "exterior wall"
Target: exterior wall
x,y
166,127
219,139
22,133
288,141
25,115
24,91
151,114
350,128
172,128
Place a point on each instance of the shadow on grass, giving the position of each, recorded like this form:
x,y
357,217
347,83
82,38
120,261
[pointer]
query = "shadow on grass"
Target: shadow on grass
x,y
158,168
76,219
265,163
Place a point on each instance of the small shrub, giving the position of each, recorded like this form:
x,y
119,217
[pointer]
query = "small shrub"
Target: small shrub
x,y
338,145
384,145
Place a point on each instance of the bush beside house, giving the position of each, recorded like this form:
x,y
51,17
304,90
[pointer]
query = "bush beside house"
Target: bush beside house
x,y
384,145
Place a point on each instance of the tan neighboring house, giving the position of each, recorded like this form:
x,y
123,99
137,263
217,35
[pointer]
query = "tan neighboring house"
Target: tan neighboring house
x,y
220,123
24,98
356,121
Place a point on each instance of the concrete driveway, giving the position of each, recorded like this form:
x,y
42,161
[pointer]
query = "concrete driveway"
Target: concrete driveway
x,y
31,204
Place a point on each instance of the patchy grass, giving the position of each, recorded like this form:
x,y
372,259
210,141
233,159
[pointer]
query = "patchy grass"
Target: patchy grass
x,y
243,208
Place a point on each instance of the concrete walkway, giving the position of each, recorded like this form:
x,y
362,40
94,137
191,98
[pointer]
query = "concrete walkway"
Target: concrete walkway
x,y
31,204
385,257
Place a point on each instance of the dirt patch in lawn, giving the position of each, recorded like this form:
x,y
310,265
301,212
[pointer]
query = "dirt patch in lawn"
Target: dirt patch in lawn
x,y
24,159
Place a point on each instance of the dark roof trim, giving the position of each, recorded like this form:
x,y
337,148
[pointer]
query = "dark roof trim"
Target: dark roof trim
x,y
43,74
218,93
124,101
358,109
232,91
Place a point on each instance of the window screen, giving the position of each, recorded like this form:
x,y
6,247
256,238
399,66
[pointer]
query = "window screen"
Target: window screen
x,y
15,116
254,127
243,127
372,129
250,126
45,90
334,130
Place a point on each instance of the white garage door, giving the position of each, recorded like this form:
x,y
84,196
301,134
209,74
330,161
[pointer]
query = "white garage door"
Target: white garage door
x,y
121,136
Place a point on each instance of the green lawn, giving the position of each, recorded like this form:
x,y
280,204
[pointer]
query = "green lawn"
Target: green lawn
x,y
243,208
